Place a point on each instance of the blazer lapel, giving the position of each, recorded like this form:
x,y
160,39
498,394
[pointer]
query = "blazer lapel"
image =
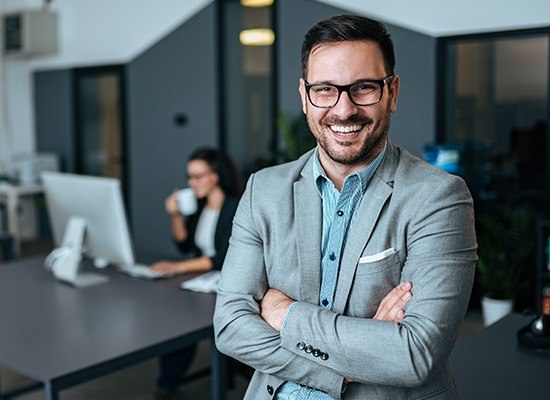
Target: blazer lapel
x,y
378,191
308,217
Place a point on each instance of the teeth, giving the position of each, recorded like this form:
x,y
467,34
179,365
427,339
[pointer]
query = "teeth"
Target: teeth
x,y
345,129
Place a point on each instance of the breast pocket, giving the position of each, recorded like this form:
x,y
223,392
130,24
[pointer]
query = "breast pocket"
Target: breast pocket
x,y
375,276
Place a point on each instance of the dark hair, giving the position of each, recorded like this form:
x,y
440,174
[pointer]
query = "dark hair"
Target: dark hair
x,y
223,166
345,28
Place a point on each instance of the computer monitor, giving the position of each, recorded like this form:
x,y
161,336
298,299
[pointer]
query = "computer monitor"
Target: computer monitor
x,y
87,217
447,157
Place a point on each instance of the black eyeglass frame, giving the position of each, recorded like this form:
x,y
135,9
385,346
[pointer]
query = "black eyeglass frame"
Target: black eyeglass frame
x,y
346,88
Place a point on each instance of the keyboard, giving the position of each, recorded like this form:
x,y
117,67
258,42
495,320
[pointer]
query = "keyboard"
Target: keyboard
x,y
142,271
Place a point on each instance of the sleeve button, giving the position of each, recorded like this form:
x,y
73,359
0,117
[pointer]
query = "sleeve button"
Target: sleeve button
x,y
300,345
308,349
324,356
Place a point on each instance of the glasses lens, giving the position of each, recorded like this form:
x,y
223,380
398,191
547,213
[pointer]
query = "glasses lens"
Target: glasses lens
x,y
362,94
199,175
323,95
366,93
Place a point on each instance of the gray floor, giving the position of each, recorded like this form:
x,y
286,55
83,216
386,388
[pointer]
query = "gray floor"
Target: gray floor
x,y
135,382
131,383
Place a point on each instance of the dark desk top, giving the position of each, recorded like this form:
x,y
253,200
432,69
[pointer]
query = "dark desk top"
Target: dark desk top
x,y
50,330
492,365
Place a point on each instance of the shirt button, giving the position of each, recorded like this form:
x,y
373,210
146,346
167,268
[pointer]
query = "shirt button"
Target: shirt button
x,y
332,257
300,345
325,302
340,213
308,349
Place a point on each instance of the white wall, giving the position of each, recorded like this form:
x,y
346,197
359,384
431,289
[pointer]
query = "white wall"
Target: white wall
x,y
455,17
94,32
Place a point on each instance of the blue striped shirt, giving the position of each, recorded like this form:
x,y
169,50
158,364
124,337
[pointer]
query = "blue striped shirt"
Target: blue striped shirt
x,y
339,211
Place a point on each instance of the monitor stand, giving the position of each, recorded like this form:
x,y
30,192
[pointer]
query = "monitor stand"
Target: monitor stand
x,y
64,261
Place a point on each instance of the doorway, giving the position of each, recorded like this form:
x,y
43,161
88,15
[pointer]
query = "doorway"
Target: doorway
x,y
99,122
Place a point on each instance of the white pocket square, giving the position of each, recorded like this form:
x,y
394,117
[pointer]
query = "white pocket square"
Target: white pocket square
x,y
377,256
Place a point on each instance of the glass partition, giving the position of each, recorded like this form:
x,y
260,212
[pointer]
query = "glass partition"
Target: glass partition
x,y
496,107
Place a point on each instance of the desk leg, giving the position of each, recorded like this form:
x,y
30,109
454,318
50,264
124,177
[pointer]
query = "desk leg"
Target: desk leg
x,y
13,223
219,374
49,392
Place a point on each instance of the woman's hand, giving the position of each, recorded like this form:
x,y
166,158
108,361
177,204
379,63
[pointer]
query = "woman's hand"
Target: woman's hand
x,y
169,267
171,204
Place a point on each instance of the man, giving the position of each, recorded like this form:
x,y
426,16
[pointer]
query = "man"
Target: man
x,y
317,244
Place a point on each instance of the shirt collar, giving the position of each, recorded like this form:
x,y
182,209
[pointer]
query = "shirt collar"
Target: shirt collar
x,y
364,176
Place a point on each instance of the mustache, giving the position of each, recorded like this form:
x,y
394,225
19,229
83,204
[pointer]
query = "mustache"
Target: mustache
x,y
353,120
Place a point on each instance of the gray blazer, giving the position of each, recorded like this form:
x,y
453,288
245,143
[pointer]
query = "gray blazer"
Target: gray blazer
x,y
415,222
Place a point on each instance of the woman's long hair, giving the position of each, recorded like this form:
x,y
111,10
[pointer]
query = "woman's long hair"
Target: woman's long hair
x,y
220,163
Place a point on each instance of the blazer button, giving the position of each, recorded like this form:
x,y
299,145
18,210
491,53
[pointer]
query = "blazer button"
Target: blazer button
x,y
324,356
308,349
300,345
270,390
316,352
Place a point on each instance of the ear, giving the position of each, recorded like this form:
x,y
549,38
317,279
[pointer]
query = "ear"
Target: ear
x,y
394,92
303,95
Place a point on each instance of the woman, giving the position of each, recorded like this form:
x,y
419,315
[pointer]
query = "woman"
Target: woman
x,y
205,235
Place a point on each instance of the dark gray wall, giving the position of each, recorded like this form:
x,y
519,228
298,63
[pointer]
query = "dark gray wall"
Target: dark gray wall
x,y
177,75
54,115
413,125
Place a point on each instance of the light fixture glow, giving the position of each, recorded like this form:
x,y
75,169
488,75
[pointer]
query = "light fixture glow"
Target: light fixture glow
x,y
256,3
257,37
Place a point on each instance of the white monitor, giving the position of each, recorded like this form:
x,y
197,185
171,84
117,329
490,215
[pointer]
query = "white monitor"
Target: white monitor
x,y
87,217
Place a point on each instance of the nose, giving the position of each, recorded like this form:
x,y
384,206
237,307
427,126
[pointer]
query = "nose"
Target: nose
x,y
345,107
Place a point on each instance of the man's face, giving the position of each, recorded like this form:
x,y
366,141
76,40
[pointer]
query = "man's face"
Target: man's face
x,y
349,134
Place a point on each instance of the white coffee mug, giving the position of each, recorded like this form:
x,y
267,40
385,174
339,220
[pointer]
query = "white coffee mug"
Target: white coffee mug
x,y
187,202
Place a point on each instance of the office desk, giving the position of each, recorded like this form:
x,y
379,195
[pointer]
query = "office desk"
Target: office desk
x,y
62,336
11,194
492,365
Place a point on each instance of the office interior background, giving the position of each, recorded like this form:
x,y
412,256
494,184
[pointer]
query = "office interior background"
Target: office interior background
x,y
131,90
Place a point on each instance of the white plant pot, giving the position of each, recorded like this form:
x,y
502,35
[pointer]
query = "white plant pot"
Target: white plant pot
x,y
494,309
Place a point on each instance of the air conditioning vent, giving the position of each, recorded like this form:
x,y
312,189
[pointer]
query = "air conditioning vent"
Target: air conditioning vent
x,y
29,33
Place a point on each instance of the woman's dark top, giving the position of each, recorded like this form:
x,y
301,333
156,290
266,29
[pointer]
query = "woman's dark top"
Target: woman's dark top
x,y
221,236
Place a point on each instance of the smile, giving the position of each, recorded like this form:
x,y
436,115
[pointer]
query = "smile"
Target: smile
x,y
346,128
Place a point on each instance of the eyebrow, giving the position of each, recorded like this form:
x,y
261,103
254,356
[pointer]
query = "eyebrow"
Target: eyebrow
x,y
351,83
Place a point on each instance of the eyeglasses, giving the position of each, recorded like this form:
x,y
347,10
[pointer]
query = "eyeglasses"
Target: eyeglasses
x,y
198,176
364,93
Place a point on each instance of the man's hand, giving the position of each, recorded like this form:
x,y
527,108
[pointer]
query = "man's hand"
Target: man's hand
x,y
391,307
274,306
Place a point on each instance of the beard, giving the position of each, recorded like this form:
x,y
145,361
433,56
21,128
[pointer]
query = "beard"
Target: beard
x,y
351,155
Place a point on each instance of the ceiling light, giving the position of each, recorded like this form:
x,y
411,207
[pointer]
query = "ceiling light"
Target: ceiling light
x,y
257,37
256,3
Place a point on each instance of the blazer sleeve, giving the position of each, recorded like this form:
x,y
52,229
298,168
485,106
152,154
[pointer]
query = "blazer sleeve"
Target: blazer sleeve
x,y
240,332
441,256
188,245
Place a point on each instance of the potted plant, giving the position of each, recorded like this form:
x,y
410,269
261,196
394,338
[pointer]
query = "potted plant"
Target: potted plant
x,y
296,135
506,242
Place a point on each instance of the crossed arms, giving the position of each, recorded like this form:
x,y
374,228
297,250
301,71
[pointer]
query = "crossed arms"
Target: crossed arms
x,y
440,260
